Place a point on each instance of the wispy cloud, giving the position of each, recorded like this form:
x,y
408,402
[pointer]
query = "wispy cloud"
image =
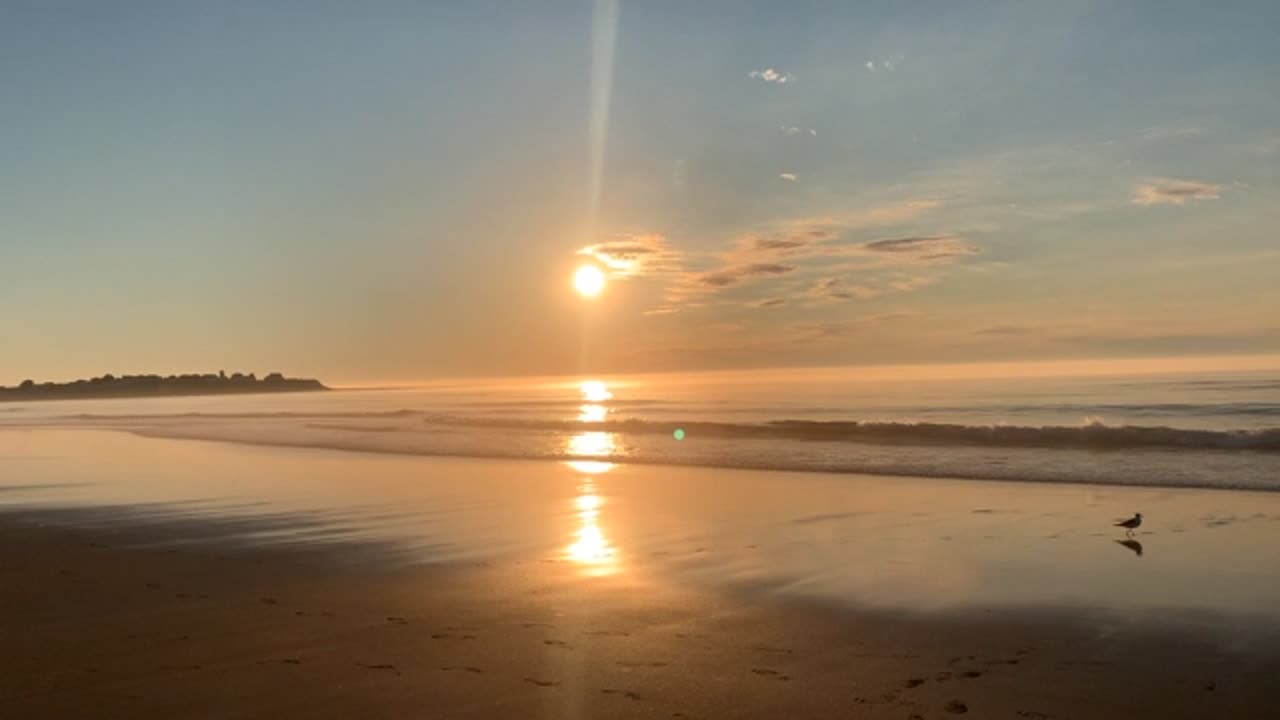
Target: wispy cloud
x,y
811,261
793,130
1170,132
1167,191
771,75
739,273
835,289
844,328
923,248
792,177
635,255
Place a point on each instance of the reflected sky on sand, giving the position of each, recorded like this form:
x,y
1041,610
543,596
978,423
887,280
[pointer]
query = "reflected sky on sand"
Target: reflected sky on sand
x,y
845,539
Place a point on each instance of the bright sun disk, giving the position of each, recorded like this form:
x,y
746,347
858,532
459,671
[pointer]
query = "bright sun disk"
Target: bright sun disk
x,y
589,280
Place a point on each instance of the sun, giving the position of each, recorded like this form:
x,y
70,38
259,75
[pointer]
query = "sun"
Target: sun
x,y
589,280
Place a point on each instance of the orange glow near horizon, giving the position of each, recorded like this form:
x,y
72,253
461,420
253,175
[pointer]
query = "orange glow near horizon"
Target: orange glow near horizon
x,y
940,371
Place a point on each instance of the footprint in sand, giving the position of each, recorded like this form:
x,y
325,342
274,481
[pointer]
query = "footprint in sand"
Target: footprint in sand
x,y
468,668
291,661
397,620
625,693
558,643
914,682
769,672
380,666
542,683
972,673
440,636
773,650
607,633
956,707
268,601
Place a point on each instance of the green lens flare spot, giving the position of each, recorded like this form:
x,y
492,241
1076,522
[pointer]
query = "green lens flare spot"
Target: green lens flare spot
x,y
678,434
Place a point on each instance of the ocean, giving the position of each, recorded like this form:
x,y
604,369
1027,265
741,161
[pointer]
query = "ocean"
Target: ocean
x,y
1206,430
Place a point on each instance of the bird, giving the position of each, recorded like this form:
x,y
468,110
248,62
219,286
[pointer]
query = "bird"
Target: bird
x,y
1131,524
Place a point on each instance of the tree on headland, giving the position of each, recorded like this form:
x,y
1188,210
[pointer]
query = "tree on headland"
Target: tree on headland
x,y
107,386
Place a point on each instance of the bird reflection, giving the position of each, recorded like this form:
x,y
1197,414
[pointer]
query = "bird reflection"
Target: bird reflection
x,y
1131,544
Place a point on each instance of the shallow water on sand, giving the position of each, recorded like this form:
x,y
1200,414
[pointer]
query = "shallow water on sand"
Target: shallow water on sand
x,y
863,540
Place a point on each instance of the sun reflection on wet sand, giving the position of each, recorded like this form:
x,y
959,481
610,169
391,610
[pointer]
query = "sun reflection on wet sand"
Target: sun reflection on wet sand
x,y
590,548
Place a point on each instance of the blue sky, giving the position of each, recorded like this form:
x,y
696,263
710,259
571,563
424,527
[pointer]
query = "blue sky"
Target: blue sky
x,y
402,190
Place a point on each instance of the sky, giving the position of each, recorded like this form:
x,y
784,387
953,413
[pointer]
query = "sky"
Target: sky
x,y
397,190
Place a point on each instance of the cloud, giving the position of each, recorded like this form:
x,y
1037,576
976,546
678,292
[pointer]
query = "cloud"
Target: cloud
x,y
1010,331
768,302
739,273
1159,133
845,328
912,283
923,248
813,249
792,177
1167,191
781,244
635,255
837,289
772,76
793,130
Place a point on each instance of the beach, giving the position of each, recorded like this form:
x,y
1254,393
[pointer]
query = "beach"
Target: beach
x,y
163,578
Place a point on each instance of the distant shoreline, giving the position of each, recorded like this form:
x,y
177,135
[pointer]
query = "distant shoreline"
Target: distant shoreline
x,y
110,387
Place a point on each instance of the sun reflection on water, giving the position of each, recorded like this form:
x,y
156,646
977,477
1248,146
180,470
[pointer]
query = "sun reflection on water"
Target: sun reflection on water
x,y
592,444
595,391
590,547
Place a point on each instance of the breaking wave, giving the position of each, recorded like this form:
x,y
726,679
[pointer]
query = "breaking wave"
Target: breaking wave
x,y
1093,435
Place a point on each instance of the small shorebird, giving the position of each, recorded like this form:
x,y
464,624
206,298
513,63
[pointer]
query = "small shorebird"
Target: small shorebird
x,y
1131,524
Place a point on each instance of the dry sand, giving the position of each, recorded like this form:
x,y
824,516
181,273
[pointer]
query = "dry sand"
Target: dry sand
x,y
101,622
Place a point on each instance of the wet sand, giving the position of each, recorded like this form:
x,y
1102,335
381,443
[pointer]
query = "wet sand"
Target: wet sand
x,y
161,578
112,622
